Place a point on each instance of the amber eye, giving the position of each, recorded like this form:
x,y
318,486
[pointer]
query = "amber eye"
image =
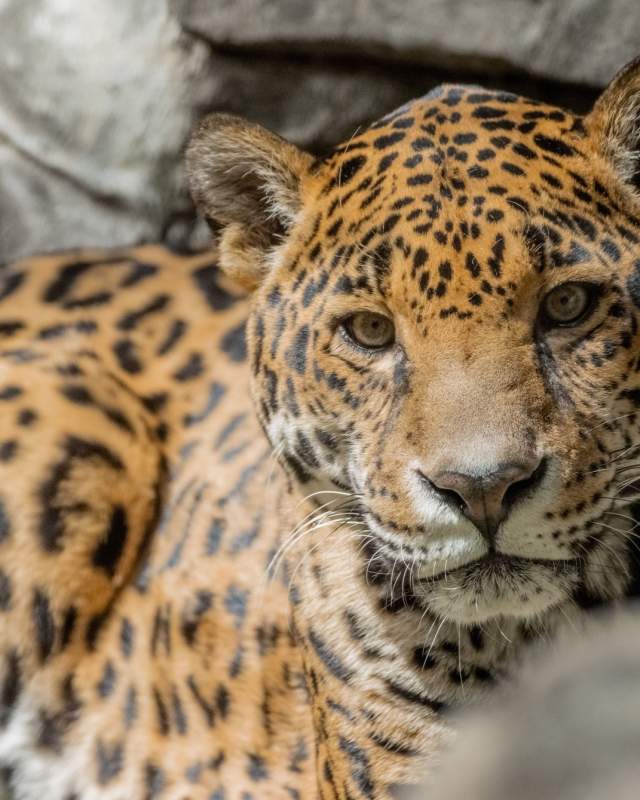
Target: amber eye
x,y
370,330
568,303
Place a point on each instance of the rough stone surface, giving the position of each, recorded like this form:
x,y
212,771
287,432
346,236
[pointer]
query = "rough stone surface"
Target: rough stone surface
x,y
318,102
96,99
570,40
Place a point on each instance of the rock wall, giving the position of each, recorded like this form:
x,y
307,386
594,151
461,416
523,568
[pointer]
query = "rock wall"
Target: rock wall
x,y
96,99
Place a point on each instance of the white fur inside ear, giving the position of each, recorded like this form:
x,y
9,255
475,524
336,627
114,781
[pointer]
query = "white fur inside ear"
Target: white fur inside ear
x,y
614,123
241,173
280,192
623,140
249,182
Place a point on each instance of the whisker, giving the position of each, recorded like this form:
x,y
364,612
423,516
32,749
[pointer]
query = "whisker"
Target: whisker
x,y
435,636
610,420
311,550
460,660
310,522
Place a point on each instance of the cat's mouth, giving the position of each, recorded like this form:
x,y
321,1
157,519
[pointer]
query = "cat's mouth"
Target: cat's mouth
x,y
470,585
499,585
498,565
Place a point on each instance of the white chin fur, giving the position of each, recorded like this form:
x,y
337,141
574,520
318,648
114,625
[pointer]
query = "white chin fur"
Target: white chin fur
x,y
477,594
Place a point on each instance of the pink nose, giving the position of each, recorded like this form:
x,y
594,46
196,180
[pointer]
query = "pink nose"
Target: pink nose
x,y
487,499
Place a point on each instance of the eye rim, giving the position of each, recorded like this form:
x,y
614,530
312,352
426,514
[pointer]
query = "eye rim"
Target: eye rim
x,y
346,328
593,293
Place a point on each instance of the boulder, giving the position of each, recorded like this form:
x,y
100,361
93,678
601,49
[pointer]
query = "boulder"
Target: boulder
x,y
97,99
583,41
568,728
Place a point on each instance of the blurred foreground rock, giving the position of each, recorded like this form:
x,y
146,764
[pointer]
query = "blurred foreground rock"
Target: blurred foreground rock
x,y
96,99
569,730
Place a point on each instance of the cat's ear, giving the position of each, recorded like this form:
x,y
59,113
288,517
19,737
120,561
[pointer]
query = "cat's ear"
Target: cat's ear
x,y
615,124
246,182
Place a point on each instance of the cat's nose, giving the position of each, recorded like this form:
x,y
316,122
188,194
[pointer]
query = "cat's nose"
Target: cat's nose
x,y
487,498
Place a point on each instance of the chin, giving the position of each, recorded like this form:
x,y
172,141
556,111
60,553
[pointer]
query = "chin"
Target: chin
x,y
490,589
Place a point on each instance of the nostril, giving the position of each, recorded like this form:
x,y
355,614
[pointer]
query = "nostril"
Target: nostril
x,y
519,489
486,498
452,499
449,496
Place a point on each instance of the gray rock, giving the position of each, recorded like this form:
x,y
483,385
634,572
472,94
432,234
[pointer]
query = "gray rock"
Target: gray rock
x,y
317,102
313,104
96,100
570,729
583,41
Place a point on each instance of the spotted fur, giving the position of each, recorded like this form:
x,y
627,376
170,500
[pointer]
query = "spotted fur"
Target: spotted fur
x,y
190,609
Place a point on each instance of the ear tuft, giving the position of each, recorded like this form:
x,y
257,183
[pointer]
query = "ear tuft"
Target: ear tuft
x,y
246,182
615,121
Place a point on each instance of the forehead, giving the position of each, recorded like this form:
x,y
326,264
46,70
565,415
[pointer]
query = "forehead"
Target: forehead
x,y
457,152
469,195
461,126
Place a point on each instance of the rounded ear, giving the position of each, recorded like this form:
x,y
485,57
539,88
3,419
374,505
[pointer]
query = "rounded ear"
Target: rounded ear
x,y
615,123
246,182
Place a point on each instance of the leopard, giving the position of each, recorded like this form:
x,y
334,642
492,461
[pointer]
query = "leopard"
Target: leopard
x,y
270,514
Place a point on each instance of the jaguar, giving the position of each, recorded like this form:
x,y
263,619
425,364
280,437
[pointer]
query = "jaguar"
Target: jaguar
x,y
271,513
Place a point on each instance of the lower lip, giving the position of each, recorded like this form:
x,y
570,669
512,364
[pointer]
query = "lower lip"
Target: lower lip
x,y
495,560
